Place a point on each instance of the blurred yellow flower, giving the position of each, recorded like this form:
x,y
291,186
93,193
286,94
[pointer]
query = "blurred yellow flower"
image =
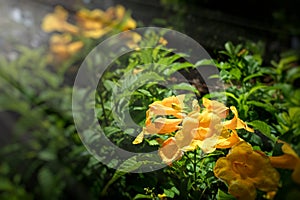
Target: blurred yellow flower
x,y
289,160
93,23
96,23
133,39
245,170
88,23
62,47
57,21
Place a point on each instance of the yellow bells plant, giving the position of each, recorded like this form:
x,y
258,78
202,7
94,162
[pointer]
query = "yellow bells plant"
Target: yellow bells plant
x,y
245,170
289,160
206,128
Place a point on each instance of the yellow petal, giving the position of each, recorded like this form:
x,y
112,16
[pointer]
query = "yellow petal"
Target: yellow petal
x,y
169,106
214,106
225,141
139,138
242,190
236,123
286,161
296,173
169,152
163,126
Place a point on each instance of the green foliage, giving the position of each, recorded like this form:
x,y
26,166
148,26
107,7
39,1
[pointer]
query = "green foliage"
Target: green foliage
x,y
263,94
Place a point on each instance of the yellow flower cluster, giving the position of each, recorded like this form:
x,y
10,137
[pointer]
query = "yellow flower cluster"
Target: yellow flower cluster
x,y
88,23
204,128
243,169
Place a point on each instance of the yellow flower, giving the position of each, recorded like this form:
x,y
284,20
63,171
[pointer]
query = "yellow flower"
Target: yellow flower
x,y
133,39
161,126
216,107
289,160
171,106
118,13
207,129
96,23
93,23
163,41
156,121
62,47
57,21
169,151
245,170
236,123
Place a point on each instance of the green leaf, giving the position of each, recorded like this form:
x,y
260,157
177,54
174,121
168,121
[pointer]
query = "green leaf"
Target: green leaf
x,y
46,181
252,76
224,196
5,185
264,128
236,73
47,155
127,166
270,108
145,92
153,142
185,86
169,193
142,196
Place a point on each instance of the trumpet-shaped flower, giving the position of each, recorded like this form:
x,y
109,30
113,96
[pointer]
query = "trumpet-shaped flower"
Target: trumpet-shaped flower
x,y
236,123
216,107
245,170
289,160
156,117
57,21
